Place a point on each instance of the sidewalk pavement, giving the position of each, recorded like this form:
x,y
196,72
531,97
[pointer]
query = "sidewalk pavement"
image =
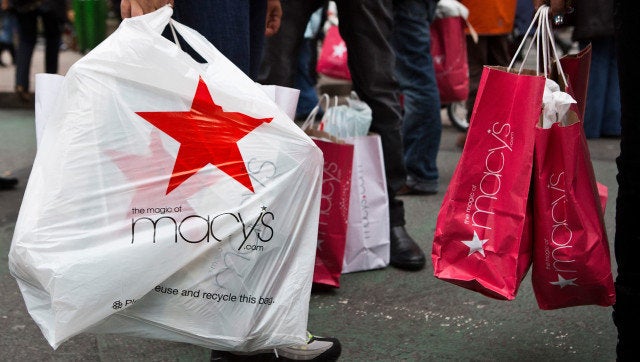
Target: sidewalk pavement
x,y
380,315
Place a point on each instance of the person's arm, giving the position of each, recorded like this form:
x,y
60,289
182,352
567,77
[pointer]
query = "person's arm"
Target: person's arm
x,y
274,15
129,8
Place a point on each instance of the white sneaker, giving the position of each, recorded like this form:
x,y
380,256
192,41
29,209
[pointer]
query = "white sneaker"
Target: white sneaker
x,y
316,349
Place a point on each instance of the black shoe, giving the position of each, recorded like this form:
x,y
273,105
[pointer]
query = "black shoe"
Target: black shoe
x,y
408,190
8,183
415,187
317,349
405,253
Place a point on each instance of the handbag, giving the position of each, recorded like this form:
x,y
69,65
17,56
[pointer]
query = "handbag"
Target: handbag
x,y
332,60
571,257
576,69
449,51
173,200
334,204
368,235
482,239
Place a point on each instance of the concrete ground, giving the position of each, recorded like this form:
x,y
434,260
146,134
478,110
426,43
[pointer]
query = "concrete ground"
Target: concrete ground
x,y
380,315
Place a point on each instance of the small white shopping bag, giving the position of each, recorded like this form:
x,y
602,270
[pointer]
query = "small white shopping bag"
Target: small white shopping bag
x,y
367,245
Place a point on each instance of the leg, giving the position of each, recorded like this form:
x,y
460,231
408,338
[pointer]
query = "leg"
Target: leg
x,y
281,51
304,81
27,31
499,50
422,126
477,57
626,314
611,118
366,27
596,90
52,25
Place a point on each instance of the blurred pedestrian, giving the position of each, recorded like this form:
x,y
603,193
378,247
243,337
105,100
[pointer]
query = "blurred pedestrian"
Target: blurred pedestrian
x,y
52,15
366,27
422,125
493,20
307,77
593,24
237,29
626,314
524,16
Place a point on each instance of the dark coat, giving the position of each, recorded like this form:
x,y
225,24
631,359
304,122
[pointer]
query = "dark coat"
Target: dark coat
x,y
592,19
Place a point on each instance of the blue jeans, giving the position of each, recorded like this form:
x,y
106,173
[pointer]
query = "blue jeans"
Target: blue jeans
x,y
235,27
422,127
602,112
304,81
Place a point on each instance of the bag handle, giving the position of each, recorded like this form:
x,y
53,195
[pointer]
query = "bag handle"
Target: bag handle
x,y
158,20
543,38
556,57
308,122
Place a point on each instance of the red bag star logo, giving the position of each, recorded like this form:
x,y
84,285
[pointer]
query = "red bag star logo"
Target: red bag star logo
x,y
207,135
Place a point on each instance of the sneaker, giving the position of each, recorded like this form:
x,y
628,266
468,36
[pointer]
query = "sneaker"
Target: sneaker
x,y
317,349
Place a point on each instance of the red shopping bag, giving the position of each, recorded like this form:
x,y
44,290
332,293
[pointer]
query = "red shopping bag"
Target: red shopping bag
x,y
334,211
571,259
576,68
449,53
603,193
481,240
332,61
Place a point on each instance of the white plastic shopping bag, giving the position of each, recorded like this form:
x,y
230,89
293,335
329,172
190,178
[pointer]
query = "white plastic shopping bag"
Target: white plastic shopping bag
x,y
168,199
352,119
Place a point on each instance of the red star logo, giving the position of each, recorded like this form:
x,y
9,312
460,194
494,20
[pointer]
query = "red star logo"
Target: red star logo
x,y
207,135
147,173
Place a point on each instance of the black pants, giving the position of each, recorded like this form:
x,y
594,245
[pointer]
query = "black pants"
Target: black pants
x,y
28,34
365,26
626,313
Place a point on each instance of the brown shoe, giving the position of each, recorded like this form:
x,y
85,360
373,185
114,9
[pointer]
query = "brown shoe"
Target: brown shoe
x,y
462,138
23,94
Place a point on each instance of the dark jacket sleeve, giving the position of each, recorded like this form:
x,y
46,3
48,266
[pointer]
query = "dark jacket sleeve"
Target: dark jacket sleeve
x,y
592,19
